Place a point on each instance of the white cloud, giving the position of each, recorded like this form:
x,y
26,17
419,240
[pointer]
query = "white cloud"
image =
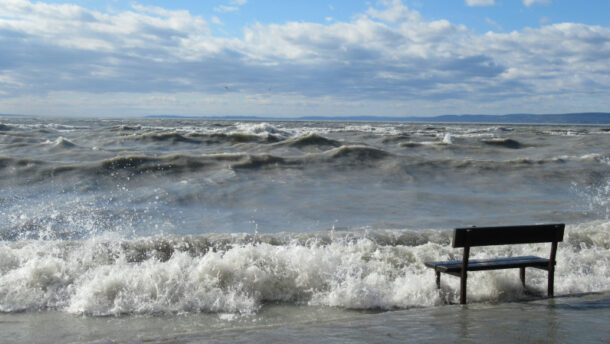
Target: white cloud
x,y
493,24
387,54
394,11
529,3
74,27
233,6
225,8
480,2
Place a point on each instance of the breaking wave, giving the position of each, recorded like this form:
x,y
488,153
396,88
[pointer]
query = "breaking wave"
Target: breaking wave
x,y
239,273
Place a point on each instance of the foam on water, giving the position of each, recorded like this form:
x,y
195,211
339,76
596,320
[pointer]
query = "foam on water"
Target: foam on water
x,y
263,129
108,275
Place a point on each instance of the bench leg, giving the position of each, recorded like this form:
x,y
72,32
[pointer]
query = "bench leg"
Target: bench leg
x,y
463,288
551,267
438,279
522,276
464,275
551,281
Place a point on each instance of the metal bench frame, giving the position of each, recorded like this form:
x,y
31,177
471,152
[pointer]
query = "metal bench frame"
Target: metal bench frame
x,y
506,235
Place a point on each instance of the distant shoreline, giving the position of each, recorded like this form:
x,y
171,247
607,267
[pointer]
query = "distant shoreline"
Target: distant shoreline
x,y
568,118
584,118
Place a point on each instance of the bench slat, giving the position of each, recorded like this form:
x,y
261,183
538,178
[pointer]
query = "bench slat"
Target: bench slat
x,y
454,266
483,236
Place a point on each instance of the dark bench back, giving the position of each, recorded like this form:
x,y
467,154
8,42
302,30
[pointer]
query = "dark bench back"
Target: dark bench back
x,y
483,236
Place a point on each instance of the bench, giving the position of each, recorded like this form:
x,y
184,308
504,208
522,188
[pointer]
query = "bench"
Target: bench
x,y
506,235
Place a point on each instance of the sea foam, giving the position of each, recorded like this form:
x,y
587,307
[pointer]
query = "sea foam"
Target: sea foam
x,y
238,274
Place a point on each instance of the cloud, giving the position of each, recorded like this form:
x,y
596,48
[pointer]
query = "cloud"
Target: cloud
x,y
393,11
529,3
233,6
493,24
480,2
225,8
387,55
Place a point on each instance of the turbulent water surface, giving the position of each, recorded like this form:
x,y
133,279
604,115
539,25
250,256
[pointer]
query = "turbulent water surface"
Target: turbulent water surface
x,y
238,221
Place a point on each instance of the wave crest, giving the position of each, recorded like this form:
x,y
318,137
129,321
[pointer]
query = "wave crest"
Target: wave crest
x,y
505,143
240,273
358,153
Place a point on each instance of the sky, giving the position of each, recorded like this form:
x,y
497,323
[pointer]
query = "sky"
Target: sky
x,y
287,59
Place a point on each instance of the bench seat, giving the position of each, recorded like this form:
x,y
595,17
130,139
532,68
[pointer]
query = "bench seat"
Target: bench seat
x,y
454,267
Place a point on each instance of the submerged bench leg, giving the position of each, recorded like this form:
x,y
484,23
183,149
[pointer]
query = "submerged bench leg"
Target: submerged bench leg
x,y
551,281
522,275
438,279
463,288
464,275
551,267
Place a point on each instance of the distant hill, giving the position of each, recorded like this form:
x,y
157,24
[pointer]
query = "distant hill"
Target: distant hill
x,y
568,118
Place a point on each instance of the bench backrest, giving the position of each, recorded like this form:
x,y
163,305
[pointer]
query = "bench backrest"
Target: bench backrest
x,y
506,235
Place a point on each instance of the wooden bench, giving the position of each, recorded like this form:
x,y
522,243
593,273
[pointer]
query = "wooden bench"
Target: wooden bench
x,y
508,235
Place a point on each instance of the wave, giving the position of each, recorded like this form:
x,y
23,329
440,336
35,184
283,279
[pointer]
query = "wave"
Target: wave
x,y
310,140
335,158
413,144
202,138
448,139
512,163
566,132
183,163
61,144
6,127
259,161
263,129
164,137
354,154
233,138
240,273
20,165
124,127
393,139
505,143
178,163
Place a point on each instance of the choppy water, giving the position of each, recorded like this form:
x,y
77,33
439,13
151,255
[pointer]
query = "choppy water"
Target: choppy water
x,y
181,217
